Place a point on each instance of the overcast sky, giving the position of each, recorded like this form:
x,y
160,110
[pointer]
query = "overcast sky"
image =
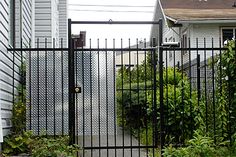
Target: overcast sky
x,y
112,31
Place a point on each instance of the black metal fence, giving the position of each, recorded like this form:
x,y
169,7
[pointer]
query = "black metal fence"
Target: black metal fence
x,y
46,87
127,101
202,98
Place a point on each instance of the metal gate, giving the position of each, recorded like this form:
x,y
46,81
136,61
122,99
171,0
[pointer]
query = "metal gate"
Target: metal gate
x,y
102,92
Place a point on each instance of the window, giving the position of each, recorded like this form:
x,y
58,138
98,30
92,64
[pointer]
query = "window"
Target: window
x,y
184,43
228,34
170,53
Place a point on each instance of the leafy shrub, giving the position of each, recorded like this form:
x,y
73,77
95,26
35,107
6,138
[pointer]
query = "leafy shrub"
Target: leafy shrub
x,y
58,147
17,144
199,146
226,91
39,146
132,105
180,106
19,106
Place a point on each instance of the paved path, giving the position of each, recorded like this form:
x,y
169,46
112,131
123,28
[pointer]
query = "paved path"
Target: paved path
x,y
111,142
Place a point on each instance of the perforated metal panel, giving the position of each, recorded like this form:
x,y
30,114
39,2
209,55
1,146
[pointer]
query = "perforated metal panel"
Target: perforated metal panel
x,y
47,92
95,105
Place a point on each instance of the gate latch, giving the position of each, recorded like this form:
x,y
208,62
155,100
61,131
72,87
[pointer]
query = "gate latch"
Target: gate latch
x,y
77,89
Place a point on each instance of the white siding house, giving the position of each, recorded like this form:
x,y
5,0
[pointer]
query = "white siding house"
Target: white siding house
x,y
186,20
63,23
9,80
51,22
132,58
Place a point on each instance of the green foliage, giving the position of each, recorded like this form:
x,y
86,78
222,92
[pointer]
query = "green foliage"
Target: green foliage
x,y
199,146
226,89
136,101
16,144
19,106
180,106
217,120
19,141
39,146
51,147
133,102
19,113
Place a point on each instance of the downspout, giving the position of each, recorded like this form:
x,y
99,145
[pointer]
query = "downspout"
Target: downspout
x,y
33,25
14,25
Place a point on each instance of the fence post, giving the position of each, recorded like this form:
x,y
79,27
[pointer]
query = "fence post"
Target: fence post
x,y
71,79
198,79
162,135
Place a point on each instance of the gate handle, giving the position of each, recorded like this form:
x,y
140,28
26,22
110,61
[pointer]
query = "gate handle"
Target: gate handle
x,y
77,90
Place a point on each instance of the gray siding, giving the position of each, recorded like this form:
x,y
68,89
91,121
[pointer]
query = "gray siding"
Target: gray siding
x,y
6,58
5,68
47,22
42,19
63,21
23,23
157,15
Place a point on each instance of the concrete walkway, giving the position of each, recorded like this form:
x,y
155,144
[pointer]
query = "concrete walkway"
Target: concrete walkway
x,y
111,142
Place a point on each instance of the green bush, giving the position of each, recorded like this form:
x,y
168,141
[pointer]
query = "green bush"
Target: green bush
x,y
17,144
226,90
19,107
180,106
39,146
58,147
137,104
199,146
133,102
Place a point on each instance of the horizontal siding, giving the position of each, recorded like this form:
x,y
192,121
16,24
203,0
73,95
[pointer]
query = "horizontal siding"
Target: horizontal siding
x,y
17,24
43,22
23,23
7,78
63,23
27,22
5,96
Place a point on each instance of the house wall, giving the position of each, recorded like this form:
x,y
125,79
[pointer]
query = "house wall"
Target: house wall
x,y
63,22
133,58
46,22
157,15
9,80
196,33
170,35
6,78
23,24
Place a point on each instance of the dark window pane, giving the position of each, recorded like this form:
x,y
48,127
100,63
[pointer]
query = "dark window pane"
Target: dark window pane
x,y
227,34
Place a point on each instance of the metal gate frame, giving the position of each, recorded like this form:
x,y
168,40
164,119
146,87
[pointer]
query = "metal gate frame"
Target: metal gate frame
x,y
71,75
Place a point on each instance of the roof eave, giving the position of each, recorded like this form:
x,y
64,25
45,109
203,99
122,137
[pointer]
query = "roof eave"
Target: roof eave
x,y
205,21
171,22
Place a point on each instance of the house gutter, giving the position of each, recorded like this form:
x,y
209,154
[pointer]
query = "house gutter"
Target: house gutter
x,y
198,21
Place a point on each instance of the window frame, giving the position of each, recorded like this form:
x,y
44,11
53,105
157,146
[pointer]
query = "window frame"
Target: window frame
x,y
227,27
184,42
170,52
